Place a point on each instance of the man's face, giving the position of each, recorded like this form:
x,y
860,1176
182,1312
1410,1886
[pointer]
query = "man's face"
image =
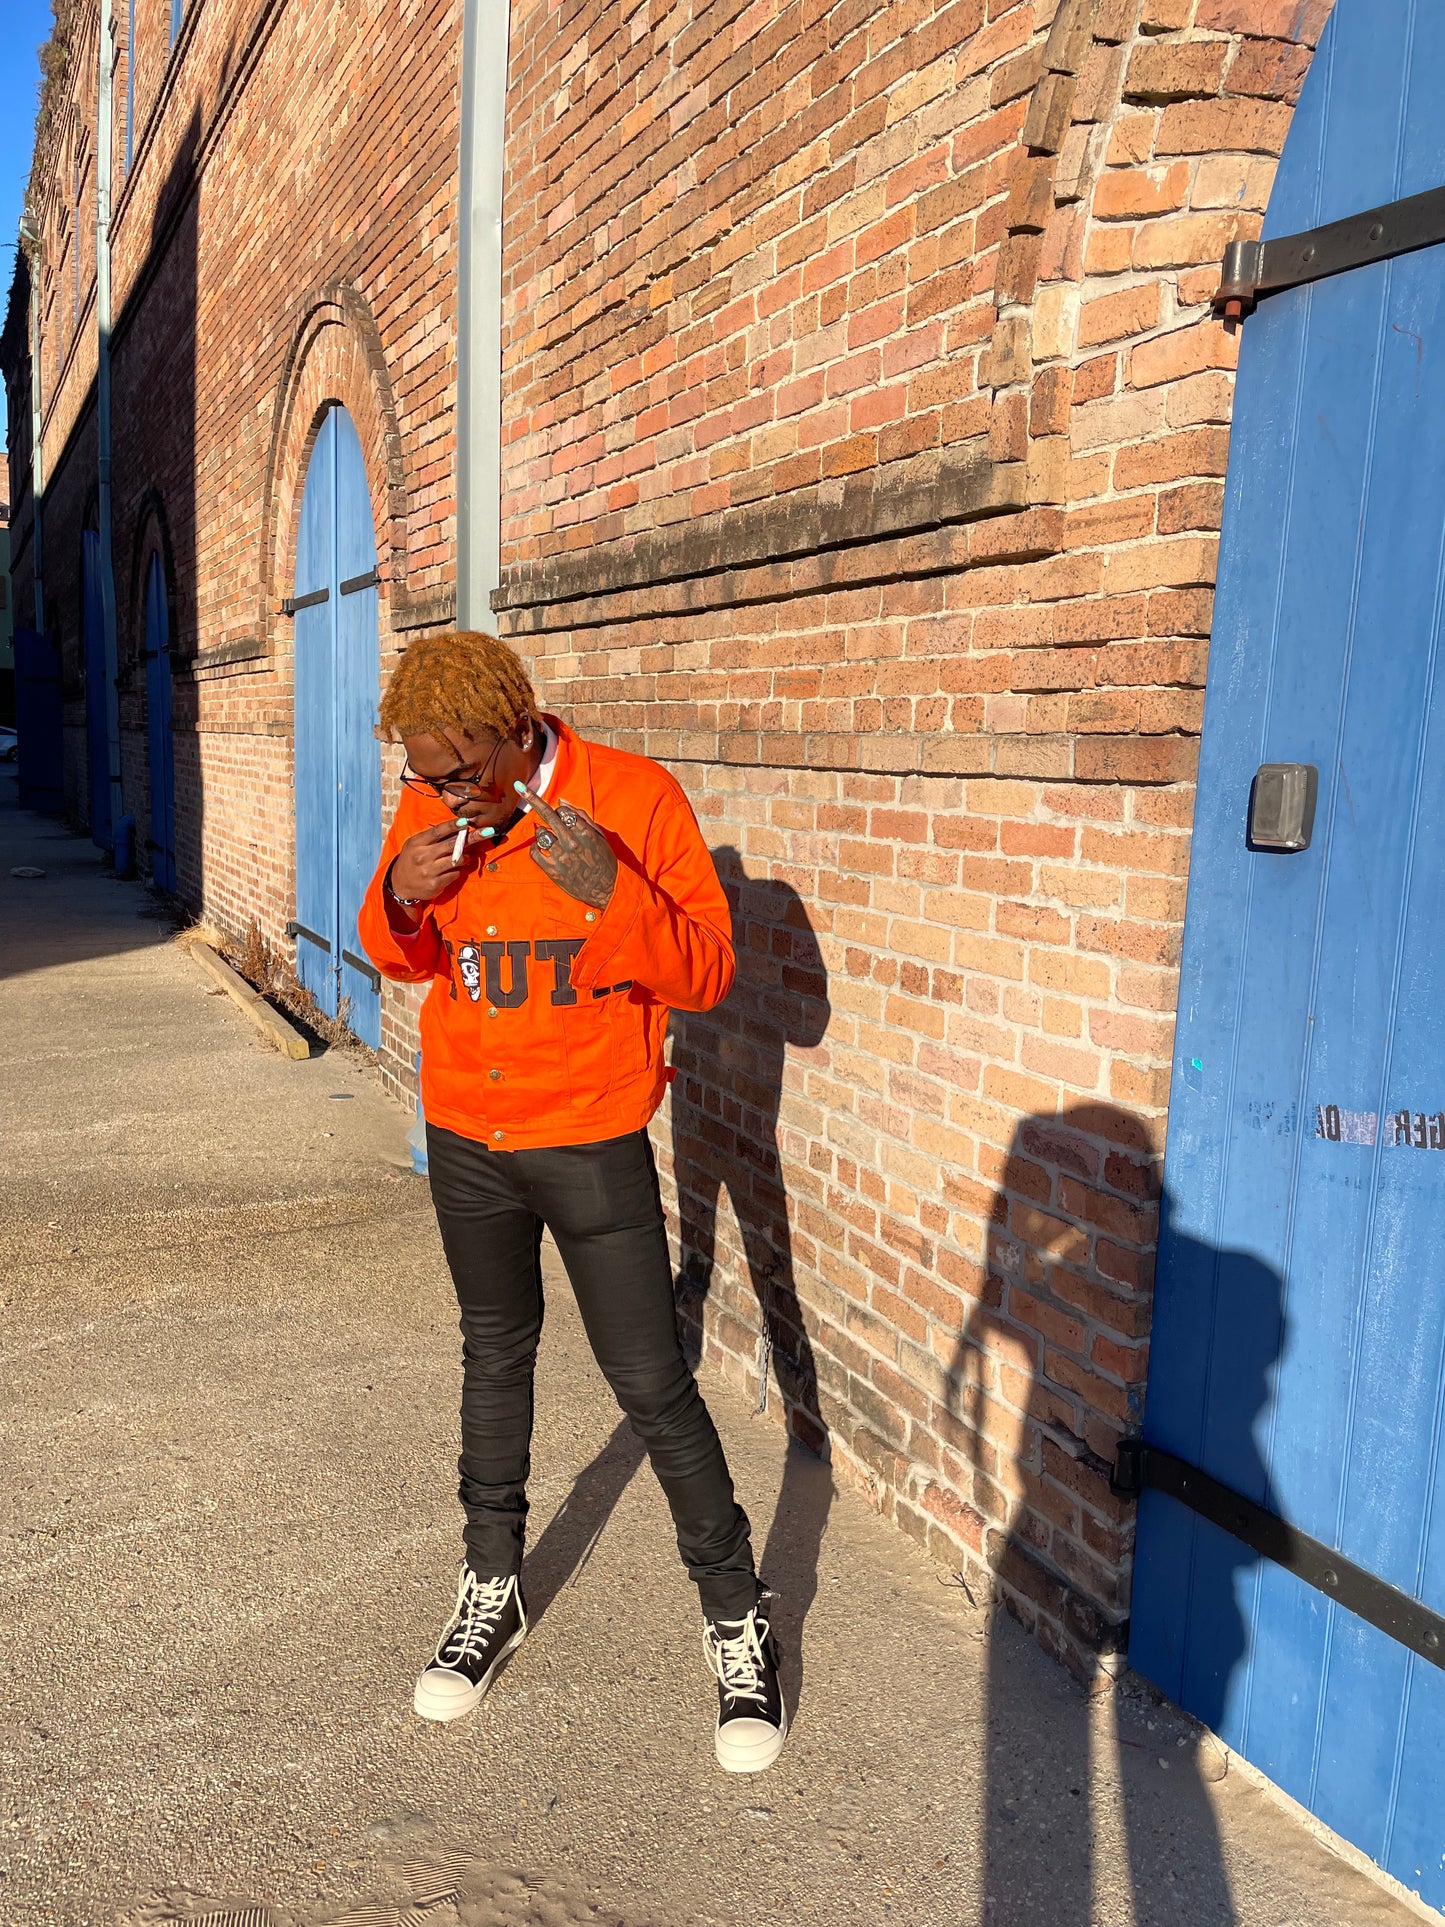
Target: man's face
x,y
483,767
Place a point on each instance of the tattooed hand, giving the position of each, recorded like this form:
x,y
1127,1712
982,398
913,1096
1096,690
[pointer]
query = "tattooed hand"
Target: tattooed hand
x,y
572,851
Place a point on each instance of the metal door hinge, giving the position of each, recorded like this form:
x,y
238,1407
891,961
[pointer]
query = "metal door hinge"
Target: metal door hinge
x,y
1256,268
363,968
355,582
294,929
1139,1467
294,602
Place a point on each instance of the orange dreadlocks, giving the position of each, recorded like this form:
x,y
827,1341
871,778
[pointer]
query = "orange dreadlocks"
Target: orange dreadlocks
x,y
467,680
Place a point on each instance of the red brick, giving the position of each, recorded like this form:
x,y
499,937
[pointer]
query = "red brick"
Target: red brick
x,y
1175,72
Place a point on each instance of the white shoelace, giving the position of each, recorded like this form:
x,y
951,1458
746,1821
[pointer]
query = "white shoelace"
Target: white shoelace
x,y
737,1662
479,1607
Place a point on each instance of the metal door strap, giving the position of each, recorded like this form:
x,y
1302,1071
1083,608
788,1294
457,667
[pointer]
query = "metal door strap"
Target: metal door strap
x,y
355,582
1255,268
294,602
1363,1593
294,929
369,971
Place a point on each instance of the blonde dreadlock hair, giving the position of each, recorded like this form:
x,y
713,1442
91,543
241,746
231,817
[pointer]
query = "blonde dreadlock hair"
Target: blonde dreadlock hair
x,y
464,680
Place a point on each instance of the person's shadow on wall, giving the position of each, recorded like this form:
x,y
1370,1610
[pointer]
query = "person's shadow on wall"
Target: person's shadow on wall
x,y
1221,1318
732,1070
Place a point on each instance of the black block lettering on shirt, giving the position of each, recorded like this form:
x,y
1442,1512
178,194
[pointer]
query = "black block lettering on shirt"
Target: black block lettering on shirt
x,y
517,954
560,952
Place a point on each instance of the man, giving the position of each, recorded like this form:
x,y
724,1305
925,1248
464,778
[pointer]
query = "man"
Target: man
x,y
559,899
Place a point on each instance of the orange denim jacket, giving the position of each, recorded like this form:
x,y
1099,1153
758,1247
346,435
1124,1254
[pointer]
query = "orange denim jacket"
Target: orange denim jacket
x,y
545,1020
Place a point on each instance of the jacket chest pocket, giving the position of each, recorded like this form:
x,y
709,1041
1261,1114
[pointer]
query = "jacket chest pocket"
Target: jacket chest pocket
x,y
594,1029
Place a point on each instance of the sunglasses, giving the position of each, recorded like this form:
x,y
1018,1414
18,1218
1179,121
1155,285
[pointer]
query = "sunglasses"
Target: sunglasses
x,y
460,789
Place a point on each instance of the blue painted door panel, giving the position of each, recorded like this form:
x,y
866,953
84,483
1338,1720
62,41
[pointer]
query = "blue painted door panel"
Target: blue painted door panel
x,y
159,740
358,694
338,759
314,688
1300,1302
97,748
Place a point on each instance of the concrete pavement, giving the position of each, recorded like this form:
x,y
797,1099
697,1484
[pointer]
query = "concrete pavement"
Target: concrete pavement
x,y
228,1381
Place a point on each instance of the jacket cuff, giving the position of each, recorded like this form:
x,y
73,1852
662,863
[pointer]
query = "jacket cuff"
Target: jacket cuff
x,y
400,928
406,956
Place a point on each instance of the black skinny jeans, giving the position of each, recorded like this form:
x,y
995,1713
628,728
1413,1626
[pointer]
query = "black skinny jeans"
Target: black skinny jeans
x,y
601,1204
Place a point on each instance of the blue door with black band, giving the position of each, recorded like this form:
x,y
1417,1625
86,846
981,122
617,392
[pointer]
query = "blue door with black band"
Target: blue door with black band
x,y
97,739
1290,1575
160,749
338,758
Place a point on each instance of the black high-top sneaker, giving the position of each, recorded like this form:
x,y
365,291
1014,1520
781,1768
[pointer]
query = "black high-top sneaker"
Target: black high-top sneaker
x,y
752,1721
489,1623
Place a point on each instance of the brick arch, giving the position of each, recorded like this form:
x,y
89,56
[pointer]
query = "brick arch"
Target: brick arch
x,y
336,355
1149,142
152,536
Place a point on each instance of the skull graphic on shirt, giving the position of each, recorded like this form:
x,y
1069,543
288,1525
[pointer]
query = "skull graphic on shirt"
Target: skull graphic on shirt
x,y
469,965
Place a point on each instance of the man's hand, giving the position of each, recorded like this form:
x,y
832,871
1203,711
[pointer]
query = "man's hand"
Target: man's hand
x,y
423,865
572,851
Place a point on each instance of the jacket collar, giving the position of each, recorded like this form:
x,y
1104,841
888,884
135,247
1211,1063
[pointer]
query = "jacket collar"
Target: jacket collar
x,y
572,777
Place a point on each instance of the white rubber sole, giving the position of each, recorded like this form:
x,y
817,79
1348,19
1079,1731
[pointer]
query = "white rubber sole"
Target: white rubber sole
x,y
751,1751
432,1701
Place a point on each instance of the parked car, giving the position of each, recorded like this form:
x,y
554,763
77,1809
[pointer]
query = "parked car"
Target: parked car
x,y
9,744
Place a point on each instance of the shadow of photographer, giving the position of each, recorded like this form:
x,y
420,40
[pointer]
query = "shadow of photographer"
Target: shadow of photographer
x,y
1040,1484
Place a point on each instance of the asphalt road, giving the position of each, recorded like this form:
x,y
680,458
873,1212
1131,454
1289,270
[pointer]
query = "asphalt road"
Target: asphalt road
x,y
228,1538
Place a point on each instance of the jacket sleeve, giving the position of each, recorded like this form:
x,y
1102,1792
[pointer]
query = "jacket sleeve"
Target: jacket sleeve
x,y
408,957
667,927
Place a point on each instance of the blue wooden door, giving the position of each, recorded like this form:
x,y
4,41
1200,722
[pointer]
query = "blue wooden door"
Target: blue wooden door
x,y
159,746
1299,1330
338,759
97,746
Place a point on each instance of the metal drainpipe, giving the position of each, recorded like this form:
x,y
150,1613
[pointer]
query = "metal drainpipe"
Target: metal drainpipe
x,y
486,26
30,234
103,141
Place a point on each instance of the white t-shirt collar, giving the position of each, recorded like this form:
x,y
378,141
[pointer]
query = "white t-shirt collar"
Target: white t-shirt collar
x,y
549,760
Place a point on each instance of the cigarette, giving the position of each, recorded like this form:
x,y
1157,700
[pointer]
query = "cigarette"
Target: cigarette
x,y
461,842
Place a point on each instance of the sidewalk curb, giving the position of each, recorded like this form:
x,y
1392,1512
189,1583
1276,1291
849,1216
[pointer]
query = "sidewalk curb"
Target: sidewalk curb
x,y
274,1028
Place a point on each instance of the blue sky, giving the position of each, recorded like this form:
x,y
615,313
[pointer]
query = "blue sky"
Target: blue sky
x,y
27,23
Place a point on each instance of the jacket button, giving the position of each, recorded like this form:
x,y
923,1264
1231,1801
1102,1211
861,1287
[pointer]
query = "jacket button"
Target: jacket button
x,y
494,1075
493,1011
491,930
498,1136
491,866
591,916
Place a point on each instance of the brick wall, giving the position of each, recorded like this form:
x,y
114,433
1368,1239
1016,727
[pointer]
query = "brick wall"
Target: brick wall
x,y
866,430
864,436
284,238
